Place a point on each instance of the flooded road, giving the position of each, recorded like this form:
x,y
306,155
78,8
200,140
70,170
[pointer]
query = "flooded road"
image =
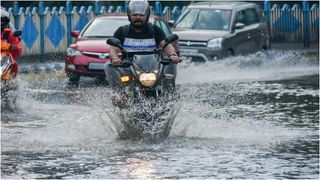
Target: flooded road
x,y
255,116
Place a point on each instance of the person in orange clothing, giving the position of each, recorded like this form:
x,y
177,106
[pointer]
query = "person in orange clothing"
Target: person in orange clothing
x,y
8,34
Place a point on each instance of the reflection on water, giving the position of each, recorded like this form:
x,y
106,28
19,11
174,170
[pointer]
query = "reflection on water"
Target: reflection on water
x,y
244,117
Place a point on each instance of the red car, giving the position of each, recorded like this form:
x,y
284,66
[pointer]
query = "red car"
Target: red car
x,y
88,54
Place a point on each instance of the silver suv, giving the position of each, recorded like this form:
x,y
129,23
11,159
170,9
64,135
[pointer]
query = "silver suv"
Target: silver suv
x,y
213,30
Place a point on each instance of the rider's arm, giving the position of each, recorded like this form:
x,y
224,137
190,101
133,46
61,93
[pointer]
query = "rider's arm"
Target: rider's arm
x,y
171,52
115,52
115,55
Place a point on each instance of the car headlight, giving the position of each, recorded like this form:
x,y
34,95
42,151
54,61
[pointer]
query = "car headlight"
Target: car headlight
x,y
148,79
73,52
215,43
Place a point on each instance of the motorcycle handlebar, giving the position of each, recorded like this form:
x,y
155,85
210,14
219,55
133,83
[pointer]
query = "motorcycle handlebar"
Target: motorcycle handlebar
x,y
127,63
167,61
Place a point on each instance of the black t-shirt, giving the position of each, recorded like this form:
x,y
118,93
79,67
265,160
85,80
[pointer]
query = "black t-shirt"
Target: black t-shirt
x,y
140,42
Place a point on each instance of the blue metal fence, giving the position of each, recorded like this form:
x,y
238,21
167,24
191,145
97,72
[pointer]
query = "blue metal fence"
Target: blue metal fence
x,y
47,30
293,24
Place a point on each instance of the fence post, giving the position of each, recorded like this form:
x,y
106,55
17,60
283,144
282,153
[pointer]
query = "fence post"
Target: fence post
x,y
96,8
306,40
16,15
126,5
69,21
176,13
41,16
266,8
119,9
158,8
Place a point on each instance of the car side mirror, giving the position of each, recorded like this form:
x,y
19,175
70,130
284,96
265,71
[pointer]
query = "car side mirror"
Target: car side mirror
x,y
170,39
17,33
75,34
171,23
114,42
239,25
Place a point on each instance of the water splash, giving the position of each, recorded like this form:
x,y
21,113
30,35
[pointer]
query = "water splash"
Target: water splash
x,y
221,98
149,120
269,65
231,122
214,97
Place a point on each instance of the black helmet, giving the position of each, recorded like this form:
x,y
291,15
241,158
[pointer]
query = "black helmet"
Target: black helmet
x,y
138,7
4,19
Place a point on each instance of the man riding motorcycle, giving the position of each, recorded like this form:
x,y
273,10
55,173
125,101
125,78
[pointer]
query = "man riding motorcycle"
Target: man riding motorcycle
x,y
11,49
139,37
7,34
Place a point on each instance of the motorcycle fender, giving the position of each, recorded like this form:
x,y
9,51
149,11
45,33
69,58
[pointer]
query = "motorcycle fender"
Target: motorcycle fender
x,y
169,76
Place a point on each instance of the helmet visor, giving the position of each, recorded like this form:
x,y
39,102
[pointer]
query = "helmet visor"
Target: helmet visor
x,y
138,8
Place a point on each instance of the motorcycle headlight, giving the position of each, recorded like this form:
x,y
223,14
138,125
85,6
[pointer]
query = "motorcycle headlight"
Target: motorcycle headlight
x,y
215,43
73,52
148,79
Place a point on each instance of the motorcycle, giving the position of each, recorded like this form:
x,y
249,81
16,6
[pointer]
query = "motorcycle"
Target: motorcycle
x,y
8,73
148,92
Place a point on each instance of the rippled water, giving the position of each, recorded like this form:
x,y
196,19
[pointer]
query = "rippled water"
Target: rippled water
x,y
255,116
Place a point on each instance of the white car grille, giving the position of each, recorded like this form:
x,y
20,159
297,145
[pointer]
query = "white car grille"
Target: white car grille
x,y
193,43
96,54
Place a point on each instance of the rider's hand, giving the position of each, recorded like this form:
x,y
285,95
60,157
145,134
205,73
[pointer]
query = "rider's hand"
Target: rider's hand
x,y
116,61
174,58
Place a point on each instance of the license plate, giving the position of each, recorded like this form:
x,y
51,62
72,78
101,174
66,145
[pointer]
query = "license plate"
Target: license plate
x,y
96,66
188,52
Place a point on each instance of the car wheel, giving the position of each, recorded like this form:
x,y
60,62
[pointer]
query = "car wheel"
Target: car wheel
x,y
267,45
102,80
230,52
73,78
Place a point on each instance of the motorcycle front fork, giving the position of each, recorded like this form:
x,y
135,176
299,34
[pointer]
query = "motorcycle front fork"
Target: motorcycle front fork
x,y
131,90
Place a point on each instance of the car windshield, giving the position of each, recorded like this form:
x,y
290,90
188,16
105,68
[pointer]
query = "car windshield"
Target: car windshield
x,y
209,19
104,27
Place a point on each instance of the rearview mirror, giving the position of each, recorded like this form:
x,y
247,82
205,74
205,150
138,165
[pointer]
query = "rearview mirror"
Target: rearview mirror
x,y
239,25
17,33
236,26
171,23
170,39
75,34
114,42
